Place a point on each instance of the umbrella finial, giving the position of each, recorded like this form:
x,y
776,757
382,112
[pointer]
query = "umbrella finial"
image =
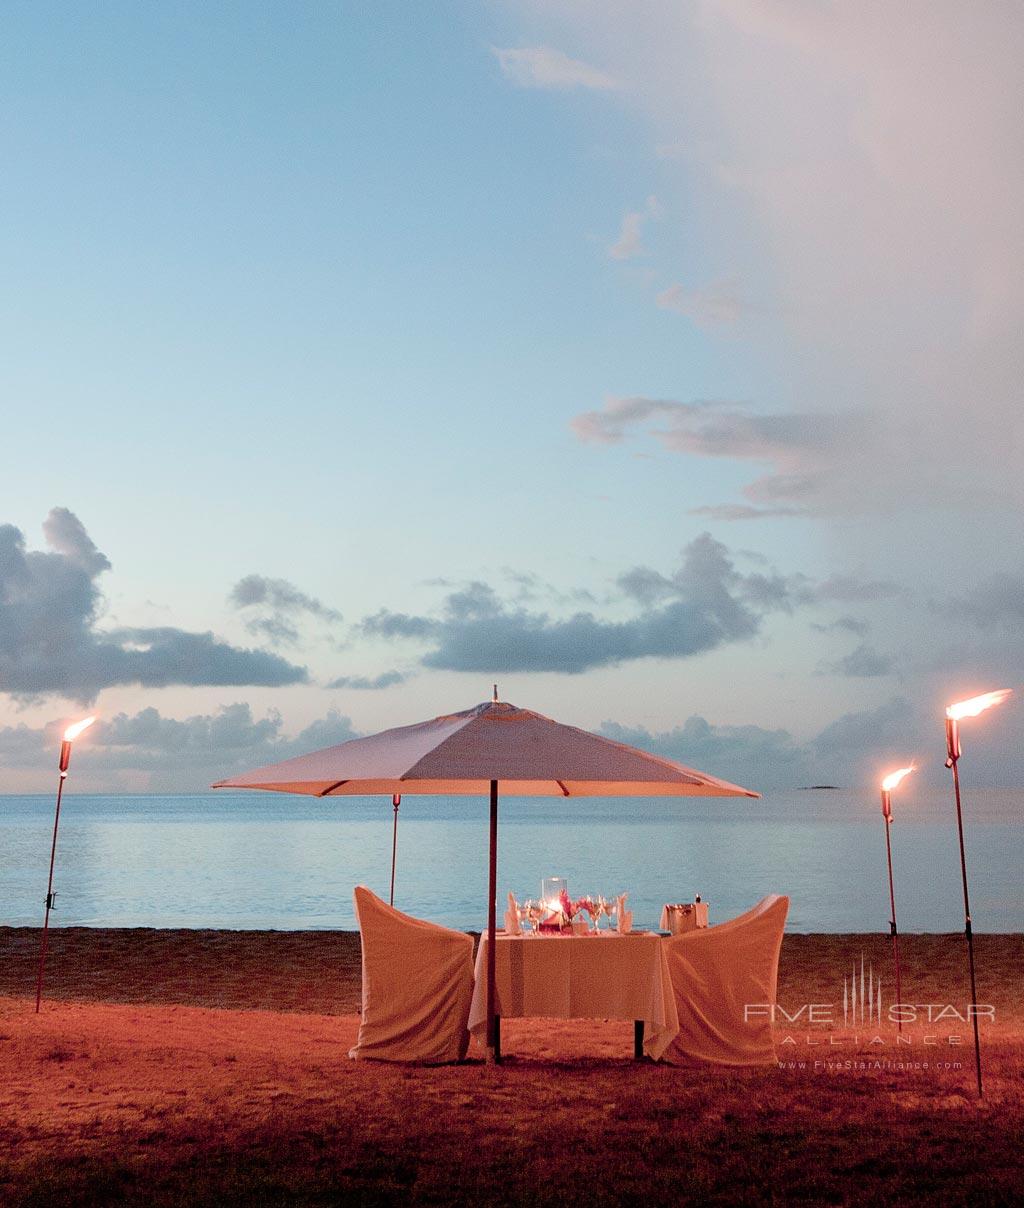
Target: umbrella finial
x,y
495,696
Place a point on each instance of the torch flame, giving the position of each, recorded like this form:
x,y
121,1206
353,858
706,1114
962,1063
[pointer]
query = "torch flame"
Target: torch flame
x,y
977,704
72,732
893,779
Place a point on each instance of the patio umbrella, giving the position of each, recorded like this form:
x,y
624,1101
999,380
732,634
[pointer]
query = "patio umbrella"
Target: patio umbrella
x,y
493,748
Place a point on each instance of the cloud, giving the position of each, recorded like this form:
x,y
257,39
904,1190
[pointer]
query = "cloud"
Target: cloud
x,y
362,683
611,425
859,167
742,511
710,428
175,754
630,241
995,603
159,657
187,754
749,755
872,731
849,624
797,446
529,586
709,306
50,642
278,594
66,534
24,746
645,585
152,738
387,624
277,603
863,663
847,751
856,590
704,604
545,67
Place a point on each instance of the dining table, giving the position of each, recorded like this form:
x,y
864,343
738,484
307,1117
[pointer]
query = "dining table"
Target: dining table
x,y
602,975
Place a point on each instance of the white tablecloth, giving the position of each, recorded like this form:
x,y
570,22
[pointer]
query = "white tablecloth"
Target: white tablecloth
x,y
580,977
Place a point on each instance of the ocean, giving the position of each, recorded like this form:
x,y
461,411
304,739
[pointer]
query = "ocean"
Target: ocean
x,y
263,860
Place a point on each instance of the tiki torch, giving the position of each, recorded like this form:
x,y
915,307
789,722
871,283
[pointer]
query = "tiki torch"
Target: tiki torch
x,y
888,784
70,734
954,714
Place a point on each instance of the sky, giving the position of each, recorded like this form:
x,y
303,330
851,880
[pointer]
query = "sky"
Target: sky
x,y
660,363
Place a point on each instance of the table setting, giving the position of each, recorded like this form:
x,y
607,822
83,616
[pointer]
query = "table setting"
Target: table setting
x,y
555,913
557,957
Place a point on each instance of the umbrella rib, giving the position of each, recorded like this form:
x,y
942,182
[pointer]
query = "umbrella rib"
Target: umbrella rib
x,y
565,791
331,787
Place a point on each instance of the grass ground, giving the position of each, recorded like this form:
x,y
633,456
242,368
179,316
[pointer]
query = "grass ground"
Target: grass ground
x,y
177,1068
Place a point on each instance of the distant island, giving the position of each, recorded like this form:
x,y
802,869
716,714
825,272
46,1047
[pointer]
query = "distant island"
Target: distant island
x,y
807,787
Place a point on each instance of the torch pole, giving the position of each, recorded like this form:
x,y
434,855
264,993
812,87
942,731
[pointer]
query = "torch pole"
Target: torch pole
x,y
887,812
493,1023
396,801
65,754
953,763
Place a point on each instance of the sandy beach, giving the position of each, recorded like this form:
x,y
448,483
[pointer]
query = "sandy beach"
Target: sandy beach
x,y
206,1067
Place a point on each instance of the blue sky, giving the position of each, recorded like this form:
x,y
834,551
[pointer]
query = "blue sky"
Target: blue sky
x,y
480,318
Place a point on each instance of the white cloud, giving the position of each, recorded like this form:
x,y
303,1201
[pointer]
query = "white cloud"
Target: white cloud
x,y
797,447
545,67
172,754
368,683
859,168
864,662
272,606
728,512
702,605
847,751
51,641
709,306
630,241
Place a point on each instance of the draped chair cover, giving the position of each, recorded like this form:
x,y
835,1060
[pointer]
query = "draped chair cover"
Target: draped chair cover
x,y
718,974
417,986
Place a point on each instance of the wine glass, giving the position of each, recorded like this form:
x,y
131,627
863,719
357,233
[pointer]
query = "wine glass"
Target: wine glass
x,y
611,909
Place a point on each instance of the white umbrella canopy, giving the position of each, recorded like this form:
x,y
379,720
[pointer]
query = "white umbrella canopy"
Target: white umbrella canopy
x,y
493,747
529,755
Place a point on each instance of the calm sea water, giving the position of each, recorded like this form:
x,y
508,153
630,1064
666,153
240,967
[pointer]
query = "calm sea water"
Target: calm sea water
x,y
273,861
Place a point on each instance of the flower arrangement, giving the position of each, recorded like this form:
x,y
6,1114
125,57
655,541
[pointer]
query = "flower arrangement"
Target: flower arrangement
x,y
563,912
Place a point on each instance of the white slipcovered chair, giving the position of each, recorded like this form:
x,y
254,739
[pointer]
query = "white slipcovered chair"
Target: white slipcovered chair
x,y
725,978
417,986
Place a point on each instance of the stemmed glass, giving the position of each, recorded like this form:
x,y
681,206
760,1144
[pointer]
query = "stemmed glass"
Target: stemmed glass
x,y
611,909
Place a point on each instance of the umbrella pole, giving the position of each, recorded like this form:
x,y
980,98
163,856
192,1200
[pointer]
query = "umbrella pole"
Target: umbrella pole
x,y
493,1040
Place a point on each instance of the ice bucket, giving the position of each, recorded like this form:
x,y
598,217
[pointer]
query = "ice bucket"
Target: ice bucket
x,y
678,917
